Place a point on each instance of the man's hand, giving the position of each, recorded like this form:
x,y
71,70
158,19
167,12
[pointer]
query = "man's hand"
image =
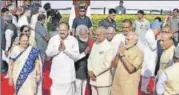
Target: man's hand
x,y
10,81
87,50
6,53
61,46
38,78
121,49
92,76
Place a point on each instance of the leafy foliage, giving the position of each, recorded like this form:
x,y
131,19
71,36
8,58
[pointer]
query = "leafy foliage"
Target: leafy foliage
x,y
98,17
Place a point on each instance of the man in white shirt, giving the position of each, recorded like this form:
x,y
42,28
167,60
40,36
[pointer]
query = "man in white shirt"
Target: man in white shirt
x,y
64,49
150,57
115,40
168,83
99,63
141,26
23,20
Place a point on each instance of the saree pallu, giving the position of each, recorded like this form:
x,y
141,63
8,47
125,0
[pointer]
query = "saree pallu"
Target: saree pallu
x,y
24,73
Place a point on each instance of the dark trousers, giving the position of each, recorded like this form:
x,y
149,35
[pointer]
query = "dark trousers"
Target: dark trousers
x,y
4,67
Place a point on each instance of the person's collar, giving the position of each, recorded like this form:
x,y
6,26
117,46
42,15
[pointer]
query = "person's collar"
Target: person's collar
x,y
141,20
99,43
109,20
132,47
125,33
82,16
171,47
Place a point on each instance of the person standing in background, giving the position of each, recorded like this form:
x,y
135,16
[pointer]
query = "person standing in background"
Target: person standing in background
x,y
41,36
82,19
174,24
141,26
120,9
110,20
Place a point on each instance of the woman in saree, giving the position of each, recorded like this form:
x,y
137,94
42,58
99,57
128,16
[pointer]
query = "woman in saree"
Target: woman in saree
x,y
25,68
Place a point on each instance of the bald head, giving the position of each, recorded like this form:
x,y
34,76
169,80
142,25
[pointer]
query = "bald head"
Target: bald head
x,y
131,39
166,40
167,29
100,34
41,10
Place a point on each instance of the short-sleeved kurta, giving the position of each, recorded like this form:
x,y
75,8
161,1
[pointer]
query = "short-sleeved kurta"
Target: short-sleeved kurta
x,y
125,83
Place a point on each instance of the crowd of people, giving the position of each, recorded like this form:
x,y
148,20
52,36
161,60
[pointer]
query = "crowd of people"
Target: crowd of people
x,y
143,59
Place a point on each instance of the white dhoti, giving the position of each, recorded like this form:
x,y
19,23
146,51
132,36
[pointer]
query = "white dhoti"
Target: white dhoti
x,y
80,87
101,90
62,89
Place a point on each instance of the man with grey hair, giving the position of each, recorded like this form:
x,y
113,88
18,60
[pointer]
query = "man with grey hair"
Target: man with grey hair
x,y
115,40
9,35
35,17
12,10
99,63
168,83
82,35
129,62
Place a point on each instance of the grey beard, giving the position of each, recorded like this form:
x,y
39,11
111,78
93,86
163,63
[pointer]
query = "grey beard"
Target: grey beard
x,y
83,39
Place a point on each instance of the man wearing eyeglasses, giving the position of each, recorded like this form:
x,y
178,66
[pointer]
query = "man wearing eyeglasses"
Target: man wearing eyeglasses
x,y
82,18
168,83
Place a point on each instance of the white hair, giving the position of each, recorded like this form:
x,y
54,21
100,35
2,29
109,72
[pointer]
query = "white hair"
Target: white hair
x,y
11,8
81,28
111,29
41,9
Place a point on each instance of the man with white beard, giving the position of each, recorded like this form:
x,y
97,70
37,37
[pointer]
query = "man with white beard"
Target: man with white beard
x,y
82,35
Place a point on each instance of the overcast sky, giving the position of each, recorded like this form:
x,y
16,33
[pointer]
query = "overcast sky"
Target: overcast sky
x,y
166,5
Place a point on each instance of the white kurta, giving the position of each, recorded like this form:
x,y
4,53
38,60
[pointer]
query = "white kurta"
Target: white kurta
x,y
141,28
150,56
22,21
99,63
116,41
62,69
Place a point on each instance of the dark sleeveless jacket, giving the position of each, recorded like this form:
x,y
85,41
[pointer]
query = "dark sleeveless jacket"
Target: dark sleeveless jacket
x,y
81,65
